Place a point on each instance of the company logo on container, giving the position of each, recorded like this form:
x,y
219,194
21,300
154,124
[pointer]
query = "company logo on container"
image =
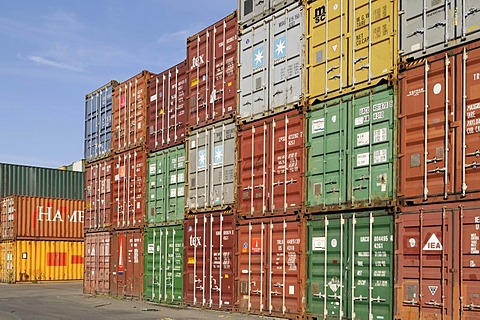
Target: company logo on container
x,y
197,61
320,14
280,49
258,58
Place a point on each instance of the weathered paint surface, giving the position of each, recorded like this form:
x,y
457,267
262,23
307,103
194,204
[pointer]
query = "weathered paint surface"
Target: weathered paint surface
x,y
97,263
98,195
163,280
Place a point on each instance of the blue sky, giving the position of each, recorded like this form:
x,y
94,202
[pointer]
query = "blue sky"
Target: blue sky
x,y
52,53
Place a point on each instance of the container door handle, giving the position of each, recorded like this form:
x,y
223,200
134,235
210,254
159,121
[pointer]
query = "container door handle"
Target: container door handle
x,y
377,299
434,303
472,306
472,11
412,302
438,24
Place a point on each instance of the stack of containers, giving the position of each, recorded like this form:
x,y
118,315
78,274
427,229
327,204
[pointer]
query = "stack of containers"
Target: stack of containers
x,y
209,223
350,139
270,231
98,188
165,187
439,147
41,224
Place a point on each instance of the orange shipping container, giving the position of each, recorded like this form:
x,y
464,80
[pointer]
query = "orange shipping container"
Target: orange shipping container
x,y
24,217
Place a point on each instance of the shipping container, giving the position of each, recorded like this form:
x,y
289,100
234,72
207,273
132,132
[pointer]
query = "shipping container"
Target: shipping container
x,y
209,260
129,127
41,260
439,127
212,73
40,182
166,108
270,64
98,122
438,261
129,188
163,276
211,167
26,218
250,11
351,151
166,186
97,263
350,46
271,267
126,263
98,195
350,266
271,166
429,27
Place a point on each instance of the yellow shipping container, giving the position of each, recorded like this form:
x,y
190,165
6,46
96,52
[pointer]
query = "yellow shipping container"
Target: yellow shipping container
x,y
351,45
32,260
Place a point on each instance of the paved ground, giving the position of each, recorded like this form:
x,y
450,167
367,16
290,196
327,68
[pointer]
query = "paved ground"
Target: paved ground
x,y
65,300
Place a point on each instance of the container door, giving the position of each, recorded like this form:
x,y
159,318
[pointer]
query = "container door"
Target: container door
x,y
198,169
470,15
251,10
157,169
8,262
175,205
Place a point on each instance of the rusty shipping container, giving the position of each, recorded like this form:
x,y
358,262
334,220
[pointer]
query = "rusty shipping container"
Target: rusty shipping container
x,y
98,122
24,217
270,64
350,46
129,127
211,166
271,267
439,127
40,260
438,261
97,263
166,108
250,11
126,263
429,27
98,195
271,157
212,73
129,188
209,260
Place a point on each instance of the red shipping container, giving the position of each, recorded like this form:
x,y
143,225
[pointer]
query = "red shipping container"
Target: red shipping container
x,y
24,217
438,261
129,187
126,263
271,266
129,126
97,263
439,127
212,73
271,157
209,261
166,115
98,195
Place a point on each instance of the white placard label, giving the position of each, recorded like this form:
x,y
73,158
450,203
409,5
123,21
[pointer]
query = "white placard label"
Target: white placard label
x,y
363,159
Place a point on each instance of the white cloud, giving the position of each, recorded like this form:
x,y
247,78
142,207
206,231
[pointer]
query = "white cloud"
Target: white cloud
x,y
56,64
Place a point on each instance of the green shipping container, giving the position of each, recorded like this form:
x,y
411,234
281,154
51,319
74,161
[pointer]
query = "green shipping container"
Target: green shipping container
x,y
350,266
166,186
351,154
40,182
164,264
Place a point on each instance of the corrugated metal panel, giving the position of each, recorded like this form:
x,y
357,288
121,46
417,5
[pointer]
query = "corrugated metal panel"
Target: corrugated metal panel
x,y
271,267
438,261
34,218
251,11
350,46
209,261
166,186
211,167
129,188
98,122
166,108
97,263
98,195
31,260
271,166
129,127
40,182
270,65
126,263
164,264
212,73
351,151
428,27
439,127
350,266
